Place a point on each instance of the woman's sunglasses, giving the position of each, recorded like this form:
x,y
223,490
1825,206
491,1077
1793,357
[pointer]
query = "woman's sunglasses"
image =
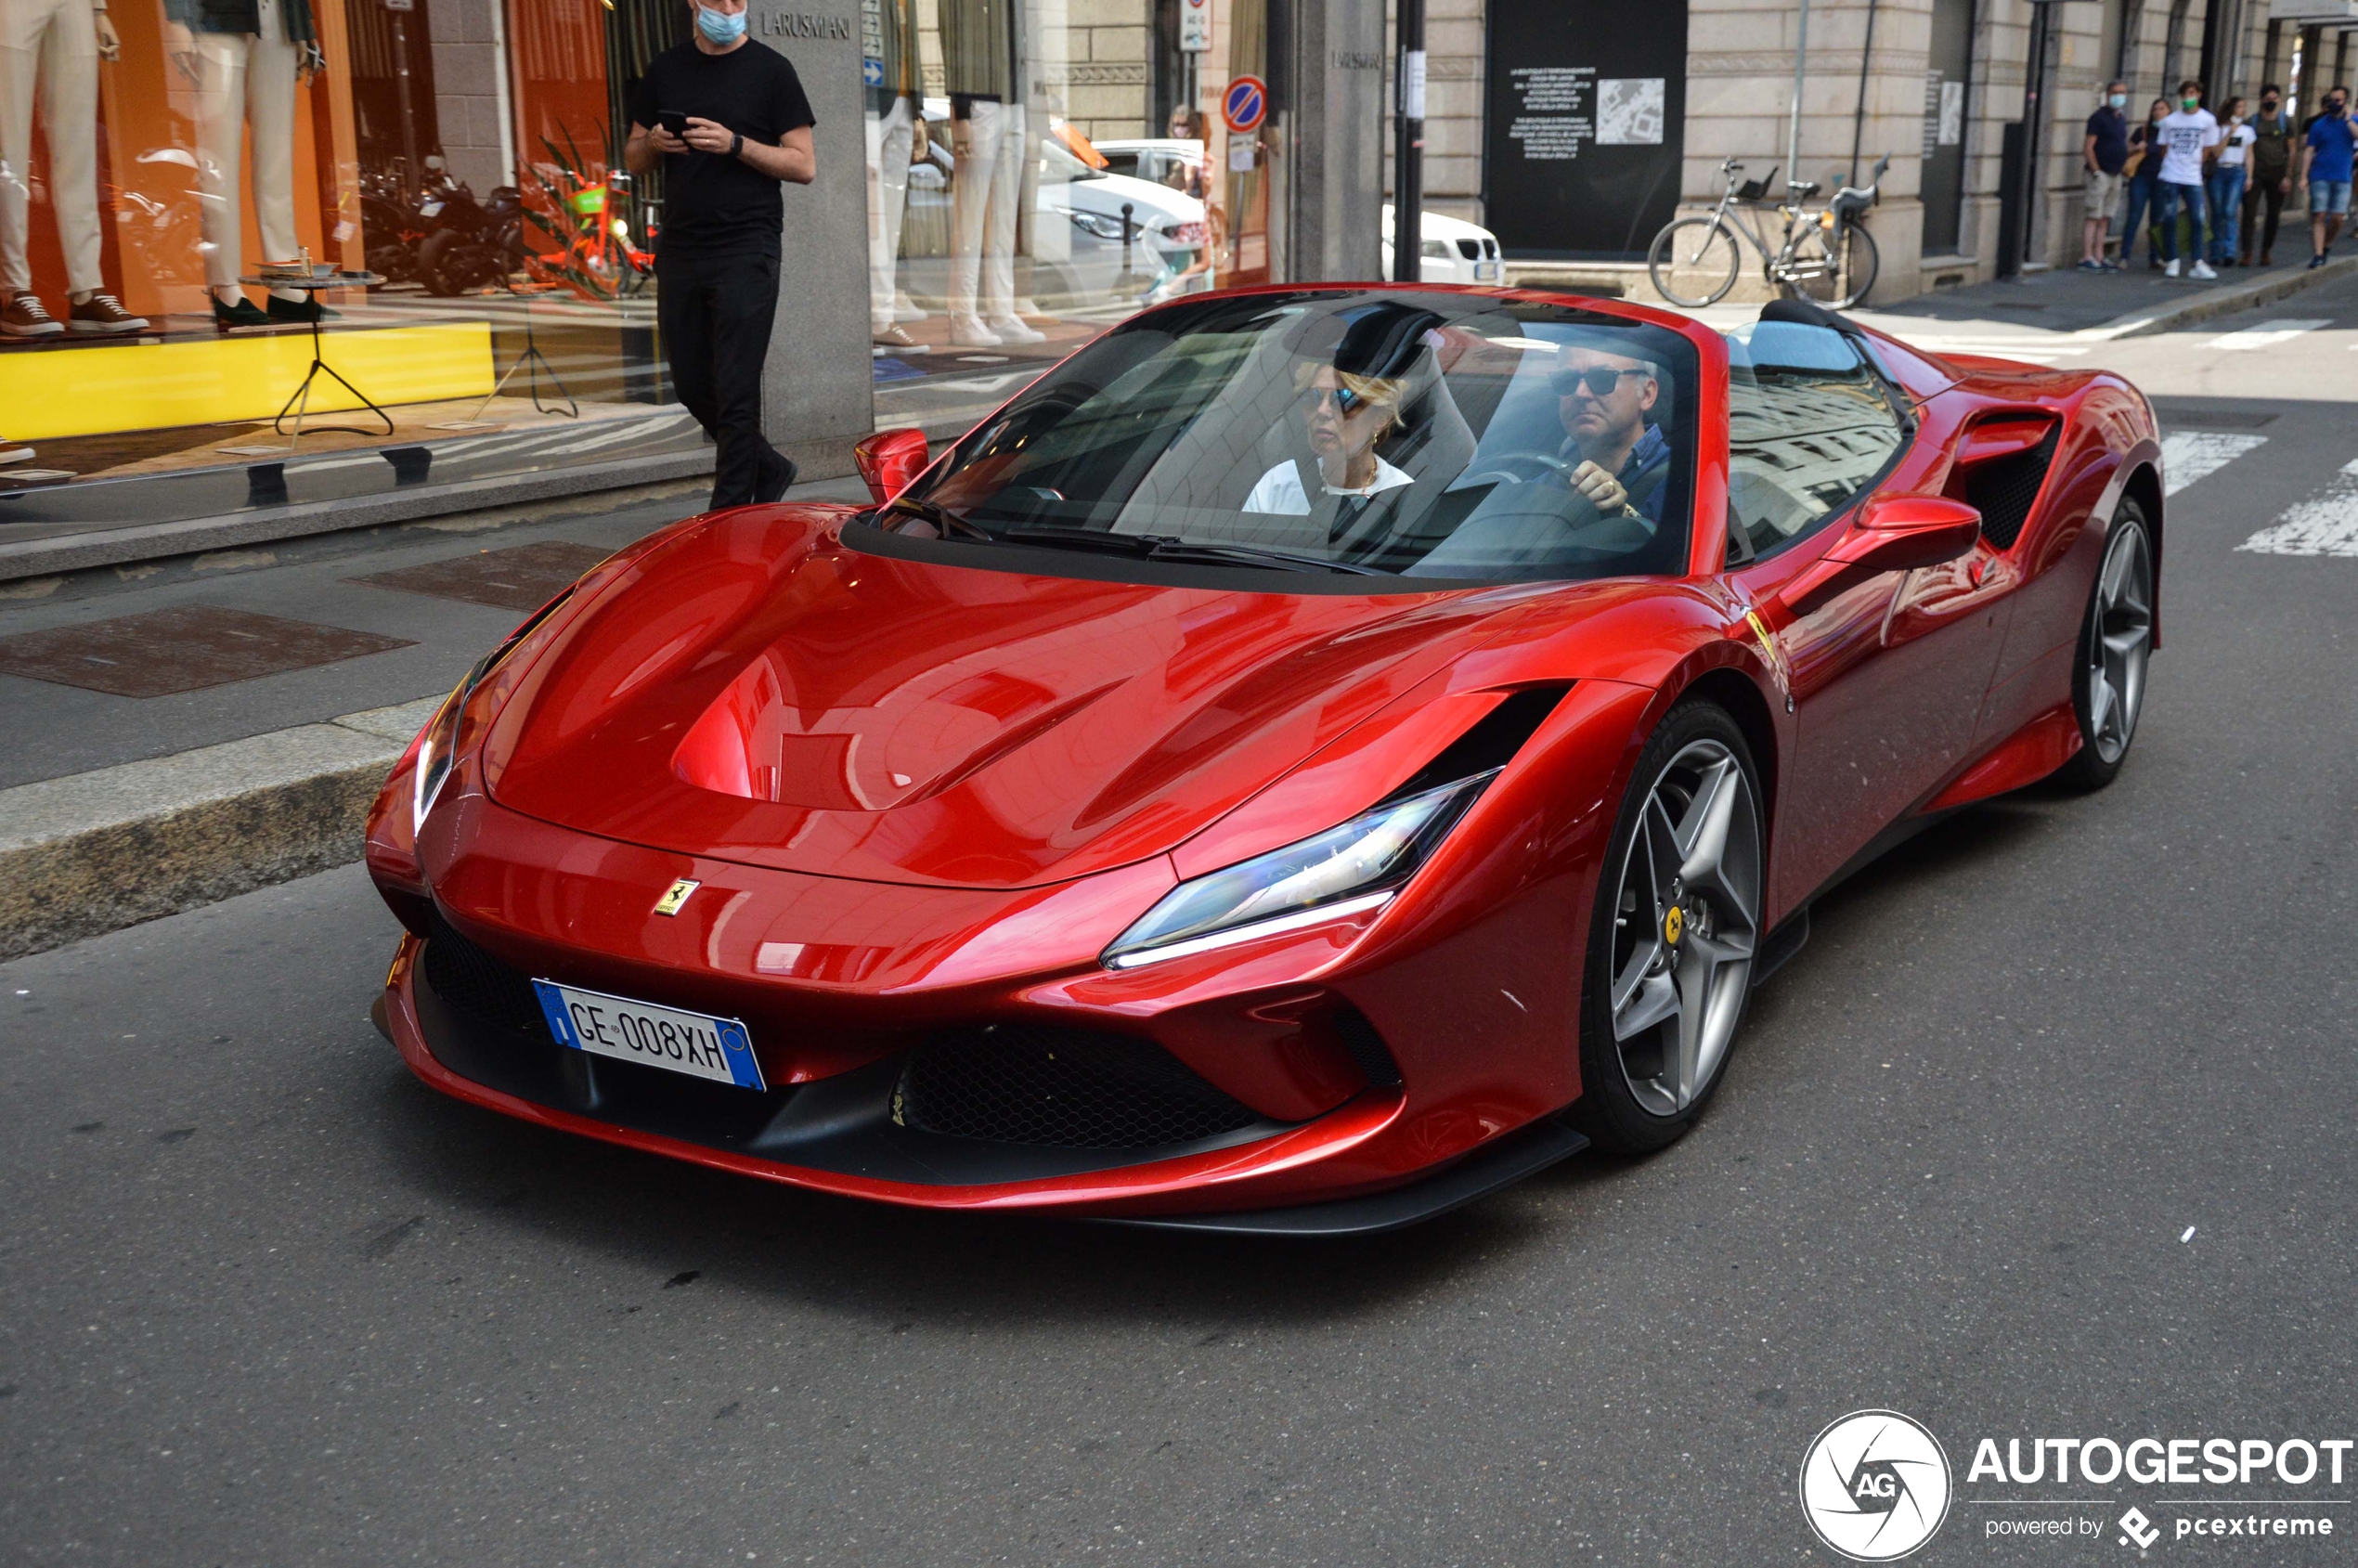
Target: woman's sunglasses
x,y
1346,401
1600,381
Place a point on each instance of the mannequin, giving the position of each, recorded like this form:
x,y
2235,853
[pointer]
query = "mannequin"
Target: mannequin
x,y
988,136
53,47
245,58
896,128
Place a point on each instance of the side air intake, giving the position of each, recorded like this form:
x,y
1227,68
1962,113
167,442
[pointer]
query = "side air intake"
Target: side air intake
x,y
2005,489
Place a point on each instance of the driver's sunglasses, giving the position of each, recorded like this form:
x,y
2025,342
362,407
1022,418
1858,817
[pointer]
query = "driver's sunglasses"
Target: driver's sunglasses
x,y
1346,400
1600,381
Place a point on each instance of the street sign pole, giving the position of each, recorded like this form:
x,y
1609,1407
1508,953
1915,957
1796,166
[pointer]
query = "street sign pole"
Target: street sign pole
x,y
1408,148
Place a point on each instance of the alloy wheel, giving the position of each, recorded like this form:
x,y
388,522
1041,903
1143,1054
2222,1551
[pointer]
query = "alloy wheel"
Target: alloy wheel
x,y
1685,927
2119,639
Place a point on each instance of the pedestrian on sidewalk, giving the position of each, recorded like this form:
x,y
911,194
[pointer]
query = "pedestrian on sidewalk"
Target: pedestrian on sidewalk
x,y
2105,150
2326,163
2189,139
2141,175
729,119
2225,190
2271,179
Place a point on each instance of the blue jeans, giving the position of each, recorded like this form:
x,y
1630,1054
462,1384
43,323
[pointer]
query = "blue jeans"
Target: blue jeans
x,y
2226,195
2167,198
2141,195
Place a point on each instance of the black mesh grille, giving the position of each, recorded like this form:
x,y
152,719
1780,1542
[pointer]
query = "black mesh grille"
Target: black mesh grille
x,y
2003,488
1063,1088
1368,1049
472,981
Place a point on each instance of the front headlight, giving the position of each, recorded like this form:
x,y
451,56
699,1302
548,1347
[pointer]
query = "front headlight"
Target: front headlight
x,y
1344,870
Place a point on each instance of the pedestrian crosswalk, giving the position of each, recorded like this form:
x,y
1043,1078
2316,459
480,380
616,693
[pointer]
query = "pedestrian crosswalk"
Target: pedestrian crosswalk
x,y
2325,523
2190,455
2264,334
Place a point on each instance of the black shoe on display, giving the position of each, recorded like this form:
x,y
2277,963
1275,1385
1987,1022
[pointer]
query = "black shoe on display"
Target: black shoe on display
x,y
777,477
304,311
242,314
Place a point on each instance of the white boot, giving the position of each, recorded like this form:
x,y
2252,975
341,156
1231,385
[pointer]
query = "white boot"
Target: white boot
x,y
967,332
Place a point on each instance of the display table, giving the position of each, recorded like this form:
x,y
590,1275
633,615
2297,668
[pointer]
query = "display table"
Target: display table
x,y
300,400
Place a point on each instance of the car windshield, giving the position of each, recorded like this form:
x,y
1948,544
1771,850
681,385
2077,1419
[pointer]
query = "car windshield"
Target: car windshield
x,y
1409,434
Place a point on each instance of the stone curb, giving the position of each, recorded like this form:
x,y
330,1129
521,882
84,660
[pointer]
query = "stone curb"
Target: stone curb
x,y
2210,303
94,853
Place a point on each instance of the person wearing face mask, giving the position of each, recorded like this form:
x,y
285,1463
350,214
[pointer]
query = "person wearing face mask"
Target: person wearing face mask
x,y
2189,140
2143,176
2271,179
729,119
2105,150
2326,163
2225,189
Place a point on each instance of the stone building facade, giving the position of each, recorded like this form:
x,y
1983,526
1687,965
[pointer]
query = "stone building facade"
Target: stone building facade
x,y
1934,83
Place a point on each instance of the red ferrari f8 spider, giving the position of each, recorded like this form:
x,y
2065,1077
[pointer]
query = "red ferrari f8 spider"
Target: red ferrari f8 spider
x,y
1314,756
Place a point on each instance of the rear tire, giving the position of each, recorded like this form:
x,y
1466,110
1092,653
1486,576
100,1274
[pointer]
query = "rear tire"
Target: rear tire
x,y
1693,261
1844,277
2116,640
1673,935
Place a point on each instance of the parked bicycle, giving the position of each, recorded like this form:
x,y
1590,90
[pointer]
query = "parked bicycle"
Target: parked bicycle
x,y
1827,256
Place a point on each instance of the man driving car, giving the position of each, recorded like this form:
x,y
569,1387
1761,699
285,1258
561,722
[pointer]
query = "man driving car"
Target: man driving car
x,y
1618,457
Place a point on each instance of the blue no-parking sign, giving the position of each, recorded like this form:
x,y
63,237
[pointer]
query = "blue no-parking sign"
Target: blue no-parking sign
x,y
1245,103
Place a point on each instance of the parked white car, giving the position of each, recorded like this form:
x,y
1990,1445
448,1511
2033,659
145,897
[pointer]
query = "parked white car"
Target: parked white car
x,y
1454,250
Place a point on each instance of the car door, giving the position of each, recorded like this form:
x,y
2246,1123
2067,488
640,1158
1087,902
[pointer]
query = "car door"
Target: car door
x,y
1887,675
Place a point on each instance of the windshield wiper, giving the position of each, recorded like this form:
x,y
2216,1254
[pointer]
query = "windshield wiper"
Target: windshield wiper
x,y
1167,547
1192,550
941,517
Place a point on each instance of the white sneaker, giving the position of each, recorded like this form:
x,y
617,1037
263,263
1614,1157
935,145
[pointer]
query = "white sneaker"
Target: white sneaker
x,y
1013,330
2171,270
2202,269
967,332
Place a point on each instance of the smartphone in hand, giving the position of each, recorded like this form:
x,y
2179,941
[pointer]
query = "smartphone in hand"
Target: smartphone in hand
x,y
674,120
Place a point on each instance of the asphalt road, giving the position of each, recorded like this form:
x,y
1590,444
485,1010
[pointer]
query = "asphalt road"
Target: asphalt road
x,y
2047,1132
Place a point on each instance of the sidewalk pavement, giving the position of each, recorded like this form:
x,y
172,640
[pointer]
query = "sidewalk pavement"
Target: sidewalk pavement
x,y
2104,305
190,733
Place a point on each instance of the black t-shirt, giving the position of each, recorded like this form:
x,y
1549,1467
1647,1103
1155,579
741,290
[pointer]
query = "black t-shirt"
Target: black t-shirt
x,y
711,202
2110,127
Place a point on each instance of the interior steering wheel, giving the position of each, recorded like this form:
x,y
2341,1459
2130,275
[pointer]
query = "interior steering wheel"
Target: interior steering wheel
x,y
1504,466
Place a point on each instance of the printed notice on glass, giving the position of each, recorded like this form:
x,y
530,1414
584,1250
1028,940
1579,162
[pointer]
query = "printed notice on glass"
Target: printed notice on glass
x,y
1553,114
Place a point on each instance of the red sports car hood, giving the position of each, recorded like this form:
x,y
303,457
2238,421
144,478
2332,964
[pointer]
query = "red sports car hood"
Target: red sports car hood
x,y
758,691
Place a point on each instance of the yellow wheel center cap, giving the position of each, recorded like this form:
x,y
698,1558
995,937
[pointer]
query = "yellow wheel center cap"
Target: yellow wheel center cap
x,y
1674,925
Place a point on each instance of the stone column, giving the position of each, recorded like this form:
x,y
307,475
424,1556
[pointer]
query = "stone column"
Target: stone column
x,y
1334,138
468,100
818,390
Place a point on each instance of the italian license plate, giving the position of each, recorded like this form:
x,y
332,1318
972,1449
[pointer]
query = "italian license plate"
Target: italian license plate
x,y
699,1046
1488,271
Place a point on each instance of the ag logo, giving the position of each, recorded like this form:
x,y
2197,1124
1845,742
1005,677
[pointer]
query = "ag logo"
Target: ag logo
x,y
1874,1485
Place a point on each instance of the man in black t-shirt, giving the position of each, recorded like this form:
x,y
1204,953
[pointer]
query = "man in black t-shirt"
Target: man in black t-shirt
x,y
730,120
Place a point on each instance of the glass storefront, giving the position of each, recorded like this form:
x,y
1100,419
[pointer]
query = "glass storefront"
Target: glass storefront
x,y
183,182
1038,170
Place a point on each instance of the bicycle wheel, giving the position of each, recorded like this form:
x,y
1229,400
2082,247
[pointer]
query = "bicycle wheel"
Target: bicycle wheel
x,y
1836,276
1693,261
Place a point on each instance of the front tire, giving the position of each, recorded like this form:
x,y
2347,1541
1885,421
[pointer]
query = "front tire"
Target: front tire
x,y
1693,261
1673,935
2116,640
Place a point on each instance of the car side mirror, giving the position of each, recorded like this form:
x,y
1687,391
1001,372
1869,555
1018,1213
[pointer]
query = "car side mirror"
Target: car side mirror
x,y
889,460
1895,534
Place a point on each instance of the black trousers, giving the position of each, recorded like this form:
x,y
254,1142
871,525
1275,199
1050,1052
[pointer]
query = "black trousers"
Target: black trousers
x,y
2255,196
714,311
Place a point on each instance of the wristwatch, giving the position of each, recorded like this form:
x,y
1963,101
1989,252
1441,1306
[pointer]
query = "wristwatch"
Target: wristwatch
x,y
736,143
